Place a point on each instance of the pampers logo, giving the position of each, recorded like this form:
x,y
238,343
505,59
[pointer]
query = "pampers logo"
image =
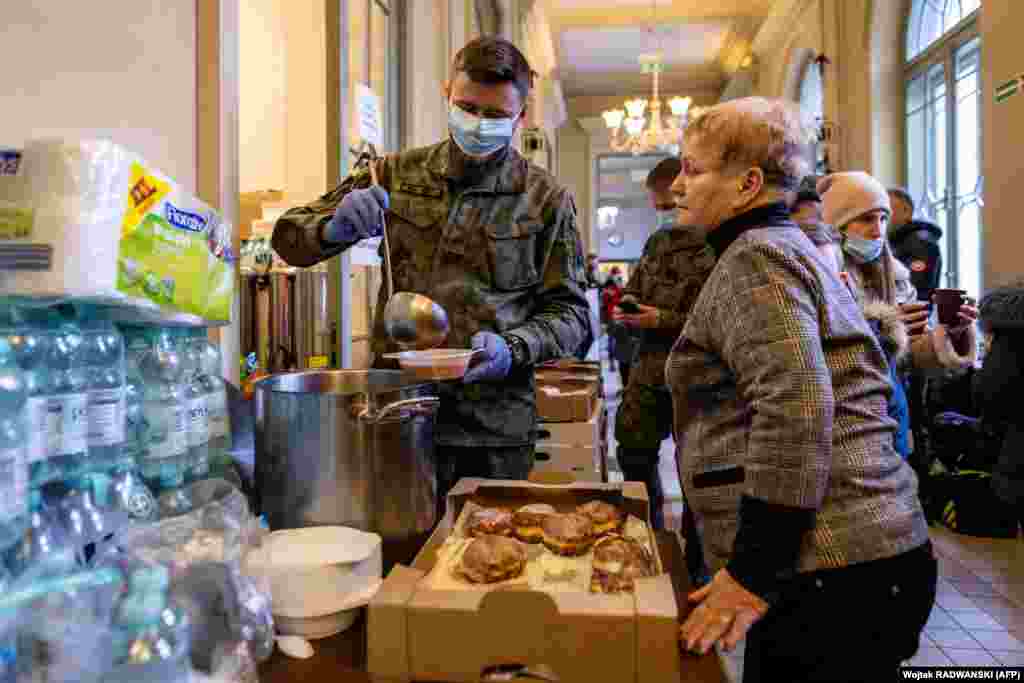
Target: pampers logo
x,y
186,220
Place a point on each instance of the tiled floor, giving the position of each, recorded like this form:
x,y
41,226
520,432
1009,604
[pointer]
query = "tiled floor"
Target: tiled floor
x,y
978,618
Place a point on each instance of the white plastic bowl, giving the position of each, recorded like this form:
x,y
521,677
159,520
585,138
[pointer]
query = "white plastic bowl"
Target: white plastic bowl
x,y
434,364
319,577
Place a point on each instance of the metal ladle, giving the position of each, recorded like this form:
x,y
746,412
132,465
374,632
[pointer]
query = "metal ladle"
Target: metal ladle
x,y
412,320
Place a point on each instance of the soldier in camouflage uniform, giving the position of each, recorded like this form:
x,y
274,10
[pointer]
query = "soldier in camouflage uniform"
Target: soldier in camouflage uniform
x,y
671,272
491,238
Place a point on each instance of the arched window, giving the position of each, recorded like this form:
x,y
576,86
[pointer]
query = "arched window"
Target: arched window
x,y
932,19
944,115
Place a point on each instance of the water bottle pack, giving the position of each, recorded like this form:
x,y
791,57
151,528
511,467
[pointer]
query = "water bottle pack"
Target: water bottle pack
x,y
106,432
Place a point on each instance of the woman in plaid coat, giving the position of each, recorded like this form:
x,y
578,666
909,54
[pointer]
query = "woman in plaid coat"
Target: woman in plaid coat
x,y
786,452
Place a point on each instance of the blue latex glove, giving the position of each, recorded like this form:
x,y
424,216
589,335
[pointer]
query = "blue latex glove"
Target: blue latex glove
x,y
494,363
358,216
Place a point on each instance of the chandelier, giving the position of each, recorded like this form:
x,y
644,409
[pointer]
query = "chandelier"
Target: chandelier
x,y
640,127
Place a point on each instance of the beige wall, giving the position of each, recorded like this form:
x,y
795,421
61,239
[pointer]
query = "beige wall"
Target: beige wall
x,y
1004,139
283,93
119,69
263,126
574,171
863,83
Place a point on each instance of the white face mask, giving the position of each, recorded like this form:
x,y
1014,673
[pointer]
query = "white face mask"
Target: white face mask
x,y
477,136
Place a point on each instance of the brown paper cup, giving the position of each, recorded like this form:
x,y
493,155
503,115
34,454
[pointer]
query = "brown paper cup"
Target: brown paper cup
x,y
948,303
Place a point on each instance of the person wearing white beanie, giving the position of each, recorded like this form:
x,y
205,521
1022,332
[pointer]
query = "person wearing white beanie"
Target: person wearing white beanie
x,y
857,205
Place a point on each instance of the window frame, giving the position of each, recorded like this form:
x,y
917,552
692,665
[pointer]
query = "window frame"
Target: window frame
x,y
943,52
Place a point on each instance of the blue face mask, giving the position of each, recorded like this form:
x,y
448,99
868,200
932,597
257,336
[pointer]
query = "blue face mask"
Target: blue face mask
x,y
862,250
667,218
477,136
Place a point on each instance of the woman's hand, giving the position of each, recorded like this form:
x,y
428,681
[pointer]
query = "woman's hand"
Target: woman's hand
x,y
915,317
725,613
646,319
968,314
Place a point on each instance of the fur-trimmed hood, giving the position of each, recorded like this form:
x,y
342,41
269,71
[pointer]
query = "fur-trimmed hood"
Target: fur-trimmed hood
x,y
892,333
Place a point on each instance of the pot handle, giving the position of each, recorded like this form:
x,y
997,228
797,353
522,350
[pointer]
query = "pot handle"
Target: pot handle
x,y
425,402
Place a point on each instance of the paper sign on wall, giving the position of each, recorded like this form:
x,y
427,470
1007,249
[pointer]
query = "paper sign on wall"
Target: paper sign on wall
x,y
371,126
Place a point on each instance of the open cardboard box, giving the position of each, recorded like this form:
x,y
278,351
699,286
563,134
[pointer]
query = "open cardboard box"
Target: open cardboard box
x,y
418,633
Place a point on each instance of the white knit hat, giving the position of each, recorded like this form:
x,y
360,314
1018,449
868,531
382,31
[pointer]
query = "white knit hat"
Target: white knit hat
x,y
848,196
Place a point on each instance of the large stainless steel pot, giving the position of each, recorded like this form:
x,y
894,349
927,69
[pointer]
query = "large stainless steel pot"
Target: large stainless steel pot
x,y
347,447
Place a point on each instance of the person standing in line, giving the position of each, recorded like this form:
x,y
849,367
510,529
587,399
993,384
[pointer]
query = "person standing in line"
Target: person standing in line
x,y
812,519
666,282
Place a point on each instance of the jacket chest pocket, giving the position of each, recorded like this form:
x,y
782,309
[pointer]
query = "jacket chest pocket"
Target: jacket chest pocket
x,y
515,254
414,233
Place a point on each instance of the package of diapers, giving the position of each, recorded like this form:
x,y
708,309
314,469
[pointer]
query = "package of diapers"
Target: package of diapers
x,y
89,220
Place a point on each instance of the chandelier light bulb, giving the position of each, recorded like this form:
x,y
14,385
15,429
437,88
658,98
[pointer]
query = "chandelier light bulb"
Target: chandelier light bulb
x,y
635,108
613,118
680,105
635,126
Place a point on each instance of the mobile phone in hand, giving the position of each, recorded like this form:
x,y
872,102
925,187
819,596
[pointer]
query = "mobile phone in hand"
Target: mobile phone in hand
x,y
628,306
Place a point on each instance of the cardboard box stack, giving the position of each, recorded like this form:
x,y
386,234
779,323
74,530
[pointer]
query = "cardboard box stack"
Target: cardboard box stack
x,y
572,443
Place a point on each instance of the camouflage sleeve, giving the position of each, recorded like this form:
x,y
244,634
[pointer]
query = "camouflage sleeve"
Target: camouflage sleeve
x,y
668,320
639,277
560,325
297,234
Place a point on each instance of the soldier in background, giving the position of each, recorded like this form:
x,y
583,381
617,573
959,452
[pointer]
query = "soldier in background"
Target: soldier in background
x,y
486,234
667,280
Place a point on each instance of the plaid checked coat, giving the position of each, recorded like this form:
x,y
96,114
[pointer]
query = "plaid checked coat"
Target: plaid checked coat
x,y
780,393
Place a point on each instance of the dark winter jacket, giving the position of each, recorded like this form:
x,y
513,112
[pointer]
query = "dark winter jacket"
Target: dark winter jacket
x,y
999,386
916,245
892,335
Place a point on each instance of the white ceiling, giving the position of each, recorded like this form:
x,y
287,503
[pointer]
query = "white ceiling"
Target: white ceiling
x,y
589,50
599,42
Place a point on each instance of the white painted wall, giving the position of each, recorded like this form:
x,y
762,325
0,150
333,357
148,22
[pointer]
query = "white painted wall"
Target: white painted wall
x,y
263,124
121,69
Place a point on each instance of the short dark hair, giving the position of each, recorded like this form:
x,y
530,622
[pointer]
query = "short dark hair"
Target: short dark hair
x,y
662,175
903,194
490,60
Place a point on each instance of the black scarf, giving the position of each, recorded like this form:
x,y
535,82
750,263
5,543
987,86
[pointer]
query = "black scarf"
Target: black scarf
x,y
725,234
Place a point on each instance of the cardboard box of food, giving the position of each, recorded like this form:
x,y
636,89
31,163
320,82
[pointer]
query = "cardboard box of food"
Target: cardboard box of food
x,y
416,632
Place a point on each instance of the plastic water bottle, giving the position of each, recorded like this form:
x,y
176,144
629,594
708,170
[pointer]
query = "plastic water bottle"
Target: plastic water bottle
x,y
128,491
151,631
136,346
105,366
69,400
197,396
13,466
221,463
30,340
165,435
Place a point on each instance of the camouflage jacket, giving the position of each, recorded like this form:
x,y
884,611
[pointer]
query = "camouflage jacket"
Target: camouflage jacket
x,y
669,277
500,255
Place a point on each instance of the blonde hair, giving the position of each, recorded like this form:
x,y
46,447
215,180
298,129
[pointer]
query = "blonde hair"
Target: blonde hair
x,y
768,133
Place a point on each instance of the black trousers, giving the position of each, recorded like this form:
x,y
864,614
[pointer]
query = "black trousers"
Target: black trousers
x,y
851,625
457,462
